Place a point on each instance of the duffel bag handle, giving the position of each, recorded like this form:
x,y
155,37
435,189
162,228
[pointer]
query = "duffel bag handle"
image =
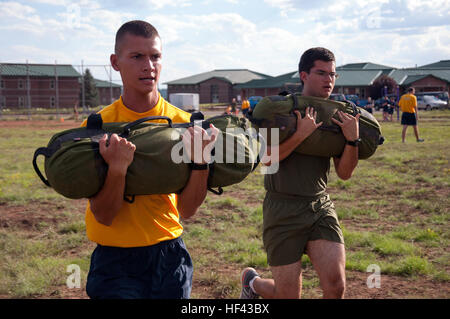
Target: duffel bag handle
x,y
127,128
40,151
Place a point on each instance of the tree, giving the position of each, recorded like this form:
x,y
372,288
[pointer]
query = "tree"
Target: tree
x,y
377,89
91,95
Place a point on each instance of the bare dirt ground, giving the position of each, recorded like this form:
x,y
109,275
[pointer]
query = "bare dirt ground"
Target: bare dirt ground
x,y
29,217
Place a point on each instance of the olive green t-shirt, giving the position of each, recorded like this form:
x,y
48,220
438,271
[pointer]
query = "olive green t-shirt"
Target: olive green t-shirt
x,y
300,175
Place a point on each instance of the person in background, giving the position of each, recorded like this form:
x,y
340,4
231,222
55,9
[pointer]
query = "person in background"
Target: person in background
x,y
385,106
410,114
245,107
369,105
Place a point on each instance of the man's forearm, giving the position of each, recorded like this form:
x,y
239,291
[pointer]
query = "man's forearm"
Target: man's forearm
x,y
107,202
193,194
284,149
347,163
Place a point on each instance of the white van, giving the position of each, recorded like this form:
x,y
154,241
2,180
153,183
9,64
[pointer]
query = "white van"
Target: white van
x,y
188,102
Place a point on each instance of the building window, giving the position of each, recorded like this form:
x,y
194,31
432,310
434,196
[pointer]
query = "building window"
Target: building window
x,y
2,84
20,84
21,101
214,94
52,84
52,101
2,101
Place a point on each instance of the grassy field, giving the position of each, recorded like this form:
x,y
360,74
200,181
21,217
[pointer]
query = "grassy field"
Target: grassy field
x,y
394,213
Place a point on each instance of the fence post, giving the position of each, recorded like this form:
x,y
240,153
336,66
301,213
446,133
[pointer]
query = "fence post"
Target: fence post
x,y
28,92
1,92
56,92
82,89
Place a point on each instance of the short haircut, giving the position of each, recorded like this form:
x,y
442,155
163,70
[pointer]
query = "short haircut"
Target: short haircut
x,y
411,89
310,56
137,28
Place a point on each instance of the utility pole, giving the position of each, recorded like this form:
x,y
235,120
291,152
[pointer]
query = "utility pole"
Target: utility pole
x,y
110,85
28,93
82,89
56,92
2,99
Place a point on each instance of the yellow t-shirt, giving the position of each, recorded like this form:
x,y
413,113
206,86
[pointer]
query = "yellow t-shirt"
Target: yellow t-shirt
x,y
408,103
150,219
245,104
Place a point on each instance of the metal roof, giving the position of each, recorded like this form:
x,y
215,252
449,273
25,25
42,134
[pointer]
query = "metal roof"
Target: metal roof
x,y
233,76
401,75
45,70
364,66
105,84
443,64
357,77
272,82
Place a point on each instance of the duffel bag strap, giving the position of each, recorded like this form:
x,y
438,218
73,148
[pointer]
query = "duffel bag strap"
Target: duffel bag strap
x,y
128,127
47,153
94,122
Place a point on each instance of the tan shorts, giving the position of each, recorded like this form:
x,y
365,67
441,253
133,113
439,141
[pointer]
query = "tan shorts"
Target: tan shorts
x,y
291,221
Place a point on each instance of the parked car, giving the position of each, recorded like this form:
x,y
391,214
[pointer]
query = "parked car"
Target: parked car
x,y
254,100
361,102
352,97
337,97
441,95
430,102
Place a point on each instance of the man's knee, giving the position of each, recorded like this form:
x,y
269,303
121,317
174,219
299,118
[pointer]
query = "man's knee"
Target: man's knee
x,y
288,292
334,286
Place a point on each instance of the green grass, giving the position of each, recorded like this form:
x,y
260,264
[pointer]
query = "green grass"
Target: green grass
x,y
394,212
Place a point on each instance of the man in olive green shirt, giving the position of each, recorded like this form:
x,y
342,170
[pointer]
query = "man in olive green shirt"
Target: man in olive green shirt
x,y
299,216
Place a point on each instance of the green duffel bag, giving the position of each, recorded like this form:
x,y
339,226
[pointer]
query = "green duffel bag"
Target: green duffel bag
x,y
278,112
75,169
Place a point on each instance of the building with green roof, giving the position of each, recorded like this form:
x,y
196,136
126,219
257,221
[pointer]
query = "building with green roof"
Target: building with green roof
x,y
217,86
38,85
108,91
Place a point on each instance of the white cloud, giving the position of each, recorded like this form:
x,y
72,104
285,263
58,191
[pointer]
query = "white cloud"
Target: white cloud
x,y
159,4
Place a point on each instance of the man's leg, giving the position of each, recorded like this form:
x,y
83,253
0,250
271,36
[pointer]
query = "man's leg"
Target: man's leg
x,y
416,133
286,282
404,133
328,259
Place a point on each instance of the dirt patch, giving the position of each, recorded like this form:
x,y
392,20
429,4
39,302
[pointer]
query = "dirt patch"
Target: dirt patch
x,y
391,287
41,125
37,214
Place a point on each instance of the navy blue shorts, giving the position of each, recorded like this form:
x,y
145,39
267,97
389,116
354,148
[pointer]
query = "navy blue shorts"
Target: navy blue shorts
x,y
409,119
161,271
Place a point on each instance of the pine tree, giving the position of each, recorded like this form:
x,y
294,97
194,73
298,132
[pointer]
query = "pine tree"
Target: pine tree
x,y
91,95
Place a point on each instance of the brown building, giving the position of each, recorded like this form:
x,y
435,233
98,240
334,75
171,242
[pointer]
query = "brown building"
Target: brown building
x,y
108,92
218,86
271,85
38,85
356,78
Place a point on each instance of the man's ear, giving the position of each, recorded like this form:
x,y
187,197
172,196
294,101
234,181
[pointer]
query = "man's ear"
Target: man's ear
x,y
113,59
303,76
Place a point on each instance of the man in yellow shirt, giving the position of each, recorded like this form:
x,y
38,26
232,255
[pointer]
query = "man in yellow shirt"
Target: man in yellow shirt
x,y
410,116
140,253
245,106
